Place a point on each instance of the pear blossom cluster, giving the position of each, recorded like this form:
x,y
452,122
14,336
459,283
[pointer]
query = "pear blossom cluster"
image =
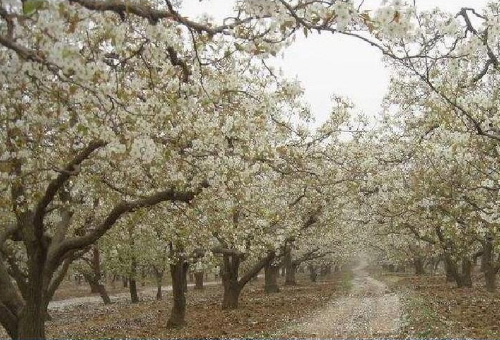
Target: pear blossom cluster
x,y
144,139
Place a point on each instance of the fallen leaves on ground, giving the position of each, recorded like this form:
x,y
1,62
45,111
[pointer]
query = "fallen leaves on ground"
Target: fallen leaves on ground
x,y
259,314
436,308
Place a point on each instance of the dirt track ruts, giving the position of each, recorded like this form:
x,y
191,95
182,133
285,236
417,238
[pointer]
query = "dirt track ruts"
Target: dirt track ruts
x,y
369,310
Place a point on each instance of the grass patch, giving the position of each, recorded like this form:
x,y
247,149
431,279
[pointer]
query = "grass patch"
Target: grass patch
x,y
346,280
421,321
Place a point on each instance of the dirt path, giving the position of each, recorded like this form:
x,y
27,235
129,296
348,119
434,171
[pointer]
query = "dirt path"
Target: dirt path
x,y
370,310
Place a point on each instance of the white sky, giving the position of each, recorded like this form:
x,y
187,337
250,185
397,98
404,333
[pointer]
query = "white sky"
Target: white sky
x,y
327,63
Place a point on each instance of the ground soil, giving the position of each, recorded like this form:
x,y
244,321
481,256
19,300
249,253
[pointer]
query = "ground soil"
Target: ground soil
x,y
351,304
259,315
369,310
437,309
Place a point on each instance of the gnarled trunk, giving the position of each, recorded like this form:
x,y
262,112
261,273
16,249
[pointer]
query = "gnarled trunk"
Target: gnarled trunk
x,y
94,278
290,268
31,324
233,285
159,280
198,277
178,313
271,278
488,266
448,268
231,296
229,274
184,278
463,277
418,263
93,286
103,293
313,275
11,302
97,287
290,279
466,274
324,271
490,276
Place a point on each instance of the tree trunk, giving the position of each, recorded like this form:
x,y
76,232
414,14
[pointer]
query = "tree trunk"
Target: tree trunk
x,y
448,267
178,313
436,265
93,286
159,279
462,278
95,278
290,268
184,278
104,294
11,302
132,284
232,289
198,277
231,296
484,259
98,287
159,294
490,276
31,322
271,278
419,265
32,317
466,272
144,276
125,281
132,281
313,275
323,270
488,266
290,279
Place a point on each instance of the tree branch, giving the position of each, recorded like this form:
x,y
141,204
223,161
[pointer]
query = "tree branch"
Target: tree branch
x,y
58,182
115,214
122,8
256,268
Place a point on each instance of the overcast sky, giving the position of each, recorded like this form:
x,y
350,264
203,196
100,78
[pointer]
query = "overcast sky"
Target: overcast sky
x,y
326,64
